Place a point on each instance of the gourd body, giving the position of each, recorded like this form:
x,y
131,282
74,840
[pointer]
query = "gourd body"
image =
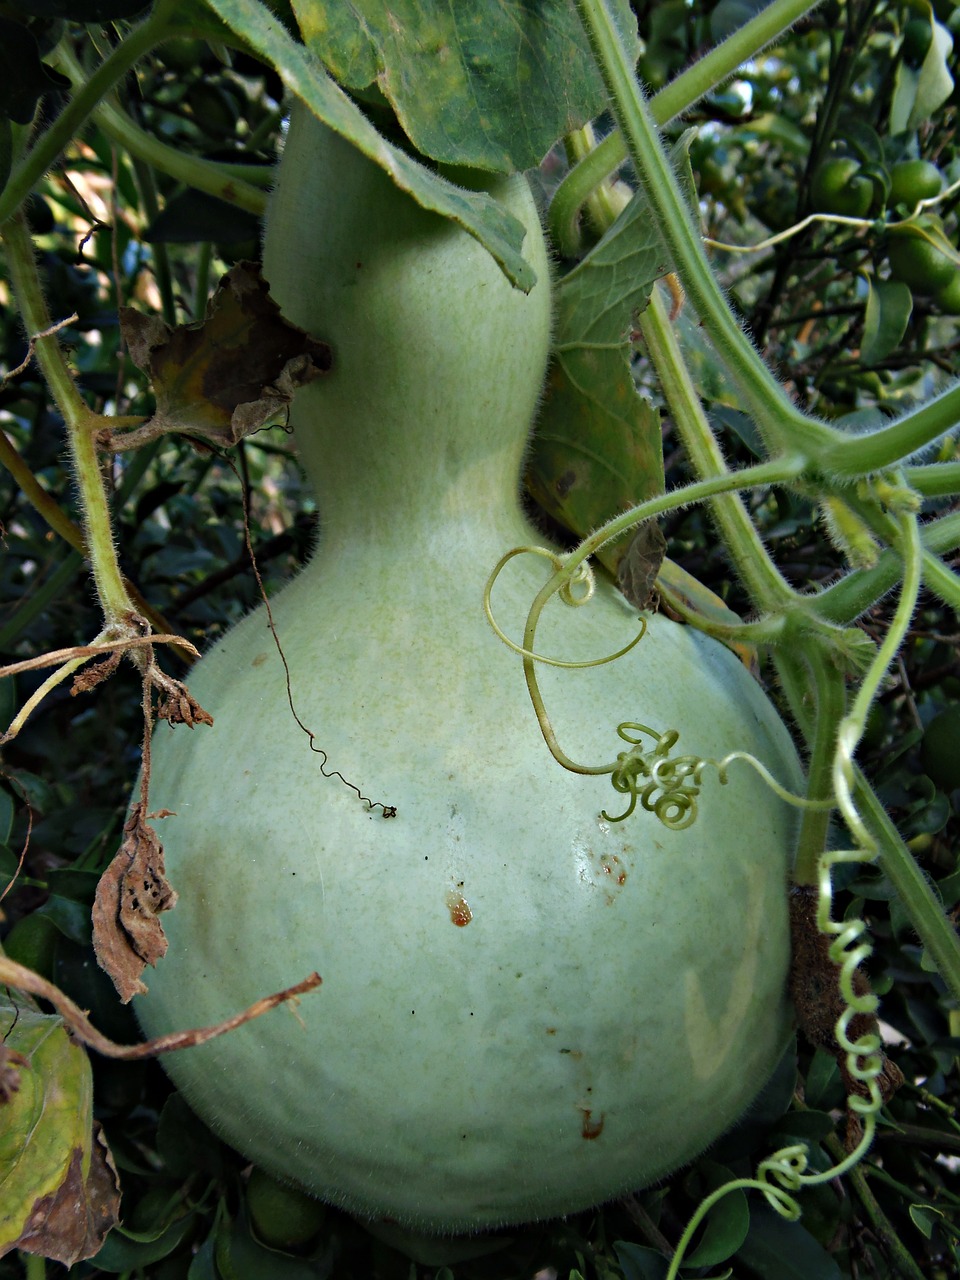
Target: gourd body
x,y
526,1008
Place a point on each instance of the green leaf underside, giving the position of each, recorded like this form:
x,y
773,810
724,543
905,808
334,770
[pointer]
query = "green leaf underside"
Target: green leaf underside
x,y
488,83
889,304
919,93
479,215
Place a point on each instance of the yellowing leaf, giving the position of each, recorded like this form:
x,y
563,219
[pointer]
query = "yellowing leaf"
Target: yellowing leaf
x,y
58,1190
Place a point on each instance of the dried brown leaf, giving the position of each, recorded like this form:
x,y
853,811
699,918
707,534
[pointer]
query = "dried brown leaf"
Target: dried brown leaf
x,y
179,706
89,677
72,1222
127,935
227,376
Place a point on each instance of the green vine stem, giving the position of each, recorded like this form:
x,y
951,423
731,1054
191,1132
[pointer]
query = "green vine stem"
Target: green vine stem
x,y
779,420
918,896
682,92
229,182
859,455
820,733
859,590
81,423
935,480
767,587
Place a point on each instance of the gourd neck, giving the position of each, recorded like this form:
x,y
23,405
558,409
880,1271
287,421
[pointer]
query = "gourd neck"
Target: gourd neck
x,y
394,475
437,360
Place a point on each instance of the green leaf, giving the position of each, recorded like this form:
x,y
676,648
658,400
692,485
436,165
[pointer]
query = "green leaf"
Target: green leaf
x,y
124,1251
822,1086
776,1249
925,1217
918,93
597,445
727,1221
640,1263
889,306
7,810
203,1266
499,232
486,83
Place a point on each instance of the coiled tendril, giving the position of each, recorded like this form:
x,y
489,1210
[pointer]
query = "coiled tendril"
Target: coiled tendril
x,y
664,786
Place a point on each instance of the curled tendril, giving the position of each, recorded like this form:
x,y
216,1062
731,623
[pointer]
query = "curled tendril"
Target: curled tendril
x,y
663,786
669,787
575,591
785,1172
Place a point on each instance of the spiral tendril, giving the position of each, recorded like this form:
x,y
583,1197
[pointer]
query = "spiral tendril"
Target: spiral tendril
x,y
785,1172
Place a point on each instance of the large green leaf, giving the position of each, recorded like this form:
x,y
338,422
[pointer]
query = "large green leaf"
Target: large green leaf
x,y
498,231
488,83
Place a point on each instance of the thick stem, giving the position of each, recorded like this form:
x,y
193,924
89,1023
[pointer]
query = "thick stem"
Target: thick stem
x,y
859,455
682,92
777,417
81,422
859,590
821,734
936,480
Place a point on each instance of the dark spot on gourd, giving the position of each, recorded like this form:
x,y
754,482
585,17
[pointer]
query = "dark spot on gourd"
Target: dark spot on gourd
x,y
259,660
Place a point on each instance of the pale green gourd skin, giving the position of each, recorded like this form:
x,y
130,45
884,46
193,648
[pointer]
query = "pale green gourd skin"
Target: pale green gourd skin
x,y
617,998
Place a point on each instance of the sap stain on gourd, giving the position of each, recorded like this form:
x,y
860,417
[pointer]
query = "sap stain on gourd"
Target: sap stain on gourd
x,y
460,913
591,1128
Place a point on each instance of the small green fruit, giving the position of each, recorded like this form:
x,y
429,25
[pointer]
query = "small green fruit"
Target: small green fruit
x,y
917,38
839,187
948,298
282,1215
916,259
914,180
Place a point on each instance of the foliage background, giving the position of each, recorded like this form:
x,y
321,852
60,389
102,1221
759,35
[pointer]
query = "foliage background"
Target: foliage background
x,y
112,231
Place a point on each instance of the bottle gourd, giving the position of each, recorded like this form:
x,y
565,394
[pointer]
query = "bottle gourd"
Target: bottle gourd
x,y
526,1009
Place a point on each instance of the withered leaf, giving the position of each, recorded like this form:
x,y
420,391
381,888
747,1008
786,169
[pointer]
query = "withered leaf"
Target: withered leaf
x,y
58,1186
127,935
225,377
179,706
72,1222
